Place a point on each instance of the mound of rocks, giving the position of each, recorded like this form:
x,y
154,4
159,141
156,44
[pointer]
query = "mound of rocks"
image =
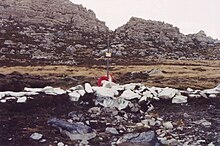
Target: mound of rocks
x,y
123,114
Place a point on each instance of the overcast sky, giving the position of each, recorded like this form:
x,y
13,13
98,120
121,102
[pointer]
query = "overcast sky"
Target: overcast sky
x,y
189,15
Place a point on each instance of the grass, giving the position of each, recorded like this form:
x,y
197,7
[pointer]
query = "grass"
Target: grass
x,y
182,74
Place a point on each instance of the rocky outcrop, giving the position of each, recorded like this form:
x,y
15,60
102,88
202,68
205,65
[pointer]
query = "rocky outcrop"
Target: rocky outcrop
x,y
51,13
60,32
47,31
154,38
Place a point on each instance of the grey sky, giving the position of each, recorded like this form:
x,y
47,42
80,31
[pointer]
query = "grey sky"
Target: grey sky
x,y
189,15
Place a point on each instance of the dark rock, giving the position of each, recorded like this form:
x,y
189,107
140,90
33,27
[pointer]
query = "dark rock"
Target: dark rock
x,y
139,139
76,131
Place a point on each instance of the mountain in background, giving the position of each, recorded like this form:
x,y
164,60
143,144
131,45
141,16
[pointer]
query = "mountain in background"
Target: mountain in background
x,y
60,32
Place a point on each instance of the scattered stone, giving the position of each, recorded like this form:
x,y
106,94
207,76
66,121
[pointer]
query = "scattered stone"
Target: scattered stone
x,y
164,141
75,131
179,99
43,140
112,130
145,138
88,88
149,122
3,101
60,144
212,95
168,125
206,124
211,144
203,122
36,136
22,99
74,96
94,110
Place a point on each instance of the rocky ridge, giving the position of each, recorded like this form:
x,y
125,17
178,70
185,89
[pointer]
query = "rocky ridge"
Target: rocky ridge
x,y
60,32
160,39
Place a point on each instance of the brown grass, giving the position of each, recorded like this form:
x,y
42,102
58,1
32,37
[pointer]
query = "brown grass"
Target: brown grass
x,y
189,73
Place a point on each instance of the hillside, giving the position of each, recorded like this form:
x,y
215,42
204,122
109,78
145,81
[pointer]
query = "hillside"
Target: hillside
x,y
53,31
58,32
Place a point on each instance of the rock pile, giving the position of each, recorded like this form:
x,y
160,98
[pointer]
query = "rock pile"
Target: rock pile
x,y
123,113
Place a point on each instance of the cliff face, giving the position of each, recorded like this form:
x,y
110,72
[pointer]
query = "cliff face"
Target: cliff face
x,y
60,32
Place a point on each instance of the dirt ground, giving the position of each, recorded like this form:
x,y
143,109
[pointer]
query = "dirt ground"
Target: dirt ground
x,y
19,121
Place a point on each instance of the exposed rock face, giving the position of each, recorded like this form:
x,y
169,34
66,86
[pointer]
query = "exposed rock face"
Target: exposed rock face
x,y
60,32
52,12
42,30
154,38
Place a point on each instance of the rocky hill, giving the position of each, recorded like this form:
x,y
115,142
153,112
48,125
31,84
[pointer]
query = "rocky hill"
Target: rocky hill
x,y
159,39
55,31
60,32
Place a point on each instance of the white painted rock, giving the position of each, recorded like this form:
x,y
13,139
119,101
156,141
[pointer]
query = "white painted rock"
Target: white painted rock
x,y
179,99
78,87
194,95
19,94
36,136
189,90
215,90
104,92
108,84
122,104
167,93
88,88
53,91
3,101
113,102
22,99
143,98
128,94
212,95
74,96
10,98
33,89
82,92
153,91
2,94
131,86
148,94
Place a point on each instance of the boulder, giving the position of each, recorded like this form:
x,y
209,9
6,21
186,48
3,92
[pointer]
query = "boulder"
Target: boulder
x,y
139,139
179,99
75,131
